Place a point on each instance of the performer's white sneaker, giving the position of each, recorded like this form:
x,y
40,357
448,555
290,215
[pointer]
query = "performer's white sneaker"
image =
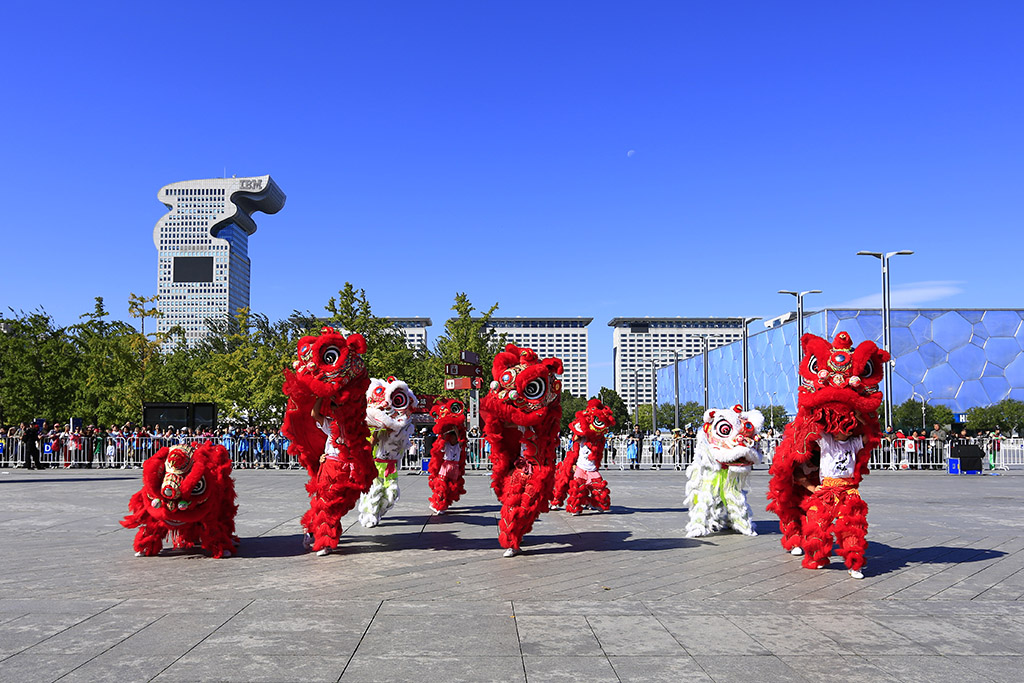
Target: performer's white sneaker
x,y
856,574
798,551
323,552
139,554
511,552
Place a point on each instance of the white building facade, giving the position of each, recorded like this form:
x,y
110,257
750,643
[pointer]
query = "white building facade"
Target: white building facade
x,y
413,329
202,246
562,338
636,342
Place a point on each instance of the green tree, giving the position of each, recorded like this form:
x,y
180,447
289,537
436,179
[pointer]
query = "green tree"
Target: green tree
x,y
466,332
907,415
105,359
774,415
570,406
611,398
691,414
1007,414
38,368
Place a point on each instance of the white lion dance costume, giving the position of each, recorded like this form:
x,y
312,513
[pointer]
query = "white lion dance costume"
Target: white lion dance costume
x,y
389,406
717,479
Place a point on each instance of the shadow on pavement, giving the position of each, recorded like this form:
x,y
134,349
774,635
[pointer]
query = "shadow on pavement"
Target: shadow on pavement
x,y
50,480
882,557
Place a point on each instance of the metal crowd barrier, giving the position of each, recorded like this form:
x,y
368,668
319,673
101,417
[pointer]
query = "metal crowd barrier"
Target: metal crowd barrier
x,y
271,452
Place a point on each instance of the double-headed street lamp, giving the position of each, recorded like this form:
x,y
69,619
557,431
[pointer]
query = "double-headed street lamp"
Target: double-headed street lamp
x,y
886,332
800,321
924,424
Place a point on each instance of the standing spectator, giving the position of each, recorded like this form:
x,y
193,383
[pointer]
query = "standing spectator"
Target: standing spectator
x,y
910,449
994,444
30,445
99,446
677,448
657,450
938,445
632,452
637,438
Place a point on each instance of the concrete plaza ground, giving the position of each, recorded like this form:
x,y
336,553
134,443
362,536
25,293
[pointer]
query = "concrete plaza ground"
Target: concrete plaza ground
x,y
620,596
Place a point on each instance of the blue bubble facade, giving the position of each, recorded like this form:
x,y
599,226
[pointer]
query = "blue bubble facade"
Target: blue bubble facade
x,y
958,358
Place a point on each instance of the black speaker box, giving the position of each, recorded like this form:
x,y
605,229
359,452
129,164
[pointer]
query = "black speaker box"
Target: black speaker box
x,y
971,456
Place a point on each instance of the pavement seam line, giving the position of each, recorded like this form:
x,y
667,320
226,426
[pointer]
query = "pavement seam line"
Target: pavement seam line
x,y
608,659
66,629
91,659
519,640
365,631
185,653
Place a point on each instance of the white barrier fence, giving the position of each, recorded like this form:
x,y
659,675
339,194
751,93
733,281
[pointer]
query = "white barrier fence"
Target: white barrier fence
x,y
267,452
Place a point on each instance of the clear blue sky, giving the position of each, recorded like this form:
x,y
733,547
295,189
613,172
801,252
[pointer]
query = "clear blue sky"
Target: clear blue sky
x,y
560,158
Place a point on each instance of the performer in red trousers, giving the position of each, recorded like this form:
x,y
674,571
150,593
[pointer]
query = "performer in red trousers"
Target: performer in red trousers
x,y
522,414
579,474
447,468
824,452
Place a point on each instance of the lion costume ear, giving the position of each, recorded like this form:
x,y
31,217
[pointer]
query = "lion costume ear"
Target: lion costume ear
x,y
708,416
594,404
755,417
554,365
356,343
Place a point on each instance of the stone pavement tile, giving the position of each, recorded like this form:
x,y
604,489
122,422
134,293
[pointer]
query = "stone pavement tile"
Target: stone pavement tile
x,y
32,629
375,669
551,636
994,668
936,668
568,669
29,668
782,635
161,606
120,666
94,635
646,669
752,668
446,606
961,634
173,634
861,635
825,667
634,635
581,607
255,668
289,628
50,605
441,634
711,635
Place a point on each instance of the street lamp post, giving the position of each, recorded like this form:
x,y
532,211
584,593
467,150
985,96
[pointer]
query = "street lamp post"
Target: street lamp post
x,y
773,412
924,424
800,321
746,381
704,353
654,395
886,331
636,397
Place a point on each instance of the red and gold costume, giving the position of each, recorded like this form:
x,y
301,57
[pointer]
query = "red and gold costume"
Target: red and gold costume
x,y
579,474
522,413
824,452
447,467
333,445
189,494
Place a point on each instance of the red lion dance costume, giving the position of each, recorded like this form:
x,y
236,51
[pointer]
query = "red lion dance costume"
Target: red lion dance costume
x,y
448,455
825,451
326,422
522,414
189,494
578,475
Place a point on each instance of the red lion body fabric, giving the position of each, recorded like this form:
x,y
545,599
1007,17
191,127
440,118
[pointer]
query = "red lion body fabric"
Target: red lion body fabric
x,y
824,452
522,413
578,477
330,378
447,467
189,494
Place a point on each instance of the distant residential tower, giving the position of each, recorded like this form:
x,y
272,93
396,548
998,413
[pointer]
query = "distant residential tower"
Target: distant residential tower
x,y
203,248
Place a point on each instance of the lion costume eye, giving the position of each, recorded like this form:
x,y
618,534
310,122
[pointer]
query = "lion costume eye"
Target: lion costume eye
x,y
812,364
535,389
456,407
598,422
400,400
330,355
869,369
723,429
200,487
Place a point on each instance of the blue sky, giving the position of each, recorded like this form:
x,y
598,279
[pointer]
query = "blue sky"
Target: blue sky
x,y
571,158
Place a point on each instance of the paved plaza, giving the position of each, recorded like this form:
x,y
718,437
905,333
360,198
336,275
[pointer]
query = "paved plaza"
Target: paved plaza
x,y
619,596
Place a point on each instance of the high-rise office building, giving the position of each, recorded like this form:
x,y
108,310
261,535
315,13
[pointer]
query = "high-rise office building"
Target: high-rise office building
x,y
413,329
563,338
203,248
638,341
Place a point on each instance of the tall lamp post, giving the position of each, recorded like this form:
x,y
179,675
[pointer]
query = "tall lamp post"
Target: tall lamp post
x,y
886,332
654,395
746,367
924,424
800,321
636,397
